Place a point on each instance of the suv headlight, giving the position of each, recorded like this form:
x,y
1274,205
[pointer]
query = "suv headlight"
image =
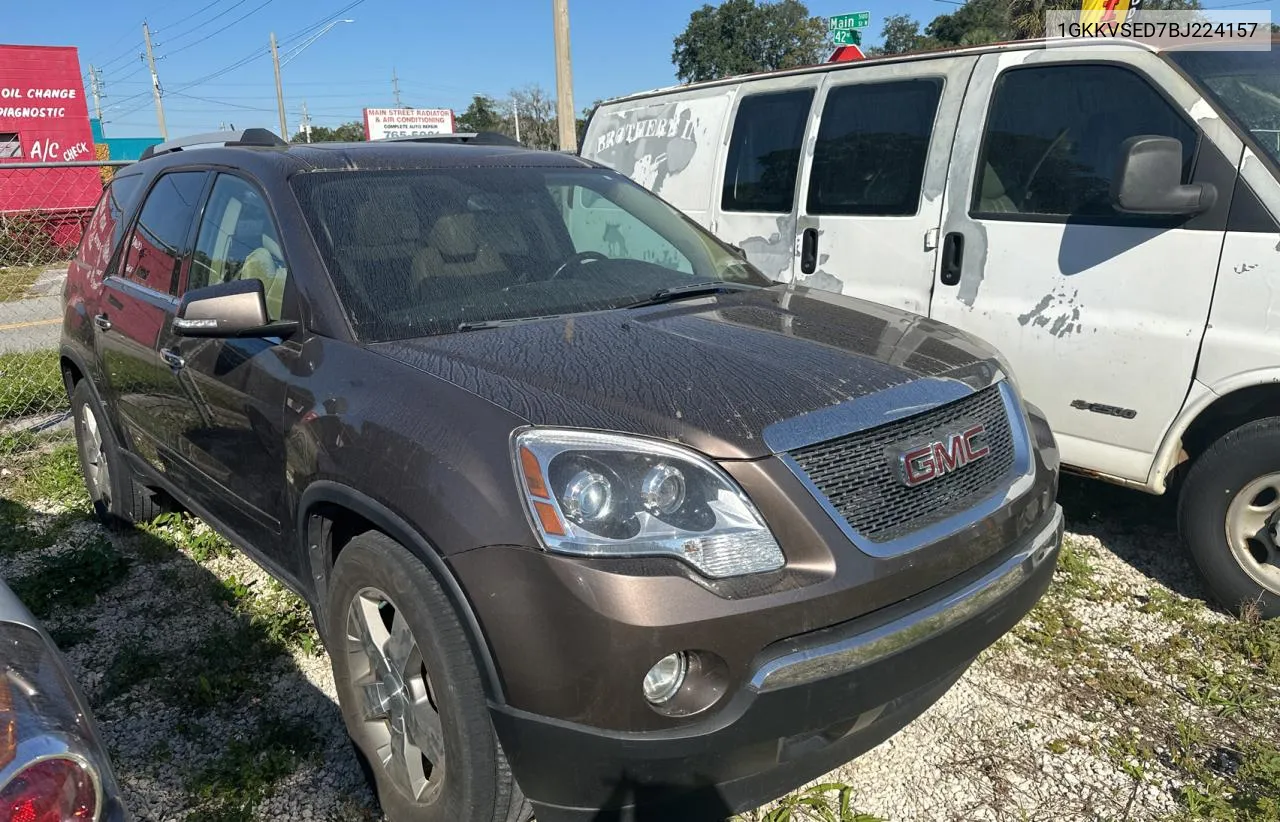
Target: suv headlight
x,y
596,494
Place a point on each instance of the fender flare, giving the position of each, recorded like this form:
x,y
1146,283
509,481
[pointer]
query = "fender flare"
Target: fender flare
x,y
396,527
1167,455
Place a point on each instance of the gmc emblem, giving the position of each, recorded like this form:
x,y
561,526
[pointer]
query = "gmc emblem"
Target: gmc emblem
x,y
919,464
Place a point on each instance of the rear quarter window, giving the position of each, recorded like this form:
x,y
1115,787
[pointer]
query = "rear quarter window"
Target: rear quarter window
x,y
106,226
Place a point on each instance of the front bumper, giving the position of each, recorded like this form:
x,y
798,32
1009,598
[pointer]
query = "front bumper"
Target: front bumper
x,y
813,702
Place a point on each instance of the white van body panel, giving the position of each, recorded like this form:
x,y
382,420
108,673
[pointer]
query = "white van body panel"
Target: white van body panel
x,y
886,259
670,145
1083,312
1159,322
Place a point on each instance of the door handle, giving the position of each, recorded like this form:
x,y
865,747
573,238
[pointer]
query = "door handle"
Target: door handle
x,y
172,357
952,258
809,251
102,322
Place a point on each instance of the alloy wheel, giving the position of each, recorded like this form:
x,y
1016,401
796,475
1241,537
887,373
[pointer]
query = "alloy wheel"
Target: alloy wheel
x,y
93,452
1253,530
397,703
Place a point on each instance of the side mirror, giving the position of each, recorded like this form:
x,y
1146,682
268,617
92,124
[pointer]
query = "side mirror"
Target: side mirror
x,y
1148,180
232,309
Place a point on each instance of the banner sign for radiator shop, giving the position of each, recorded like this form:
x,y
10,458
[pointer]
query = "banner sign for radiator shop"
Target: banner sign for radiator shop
x,y
388,123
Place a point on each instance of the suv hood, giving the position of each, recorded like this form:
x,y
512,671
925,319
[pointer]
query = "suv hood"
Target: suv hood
x,y
710,372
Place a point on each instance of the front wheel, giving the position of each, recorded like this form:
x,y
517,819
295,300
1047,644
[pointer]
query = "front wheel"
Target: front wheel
x,y
410,691
1229,517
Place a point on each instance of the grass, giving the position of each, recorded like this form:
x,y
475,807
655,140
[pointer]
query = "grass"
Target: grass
x,y
16,280
246,773
53,476
30,383
71,579
189,534
132,665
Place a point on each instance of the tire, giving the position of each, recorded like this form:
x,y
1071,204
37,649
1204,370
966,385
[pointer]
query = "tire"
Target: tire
x,y
440,679
1233,489
116,495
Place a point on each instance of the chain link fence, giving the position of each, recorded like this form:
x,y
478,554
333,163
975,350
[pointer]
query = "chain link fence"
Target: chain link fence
x,y
44,208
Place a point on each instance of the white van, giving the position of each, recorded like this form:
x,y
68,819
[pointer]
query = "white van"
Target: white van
x,y
1106,214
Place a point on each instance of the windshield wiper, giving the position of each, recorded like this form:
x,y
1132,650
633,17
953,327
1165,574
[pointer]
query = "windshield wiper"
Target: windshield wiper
x,y
679,292
479,325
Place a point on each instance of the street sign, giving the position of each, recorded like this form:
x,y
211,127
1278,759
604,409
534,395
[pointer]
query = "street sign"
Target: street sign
x,y
846,37
846,54
843,22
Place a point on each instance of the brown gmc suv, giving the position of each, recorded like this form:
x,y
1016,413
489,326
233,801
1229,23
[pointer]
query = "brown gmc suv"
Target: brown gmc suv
x,y
590,512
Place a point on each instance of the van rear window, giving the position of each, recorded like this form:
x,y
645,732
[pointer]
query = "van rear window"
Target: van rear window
x,y
764,153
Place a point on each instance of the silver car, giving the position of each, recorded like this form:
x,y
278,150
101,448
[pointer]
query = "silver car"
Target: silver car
x,y
53,767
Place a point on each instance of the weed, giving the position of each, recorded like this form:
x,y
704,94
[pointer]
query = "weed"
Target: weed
x,y
1058,746
828,802
247,771
71,579
227,665
189,534
132,666
53,476
30,383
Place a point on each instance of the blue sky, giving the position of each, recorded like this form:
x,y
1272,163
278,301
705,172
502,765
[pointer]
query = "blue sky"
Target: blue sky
x,y
443,52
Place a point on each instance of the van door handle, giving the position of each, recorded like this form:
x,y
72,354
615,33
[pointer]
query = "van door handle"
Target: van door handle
x,y
102,322
173,358
809,251
952,258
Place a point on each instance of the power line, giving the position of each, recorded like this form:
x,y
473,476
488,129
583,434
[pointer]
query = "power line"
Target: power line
x,y
195,13
207,37
218,102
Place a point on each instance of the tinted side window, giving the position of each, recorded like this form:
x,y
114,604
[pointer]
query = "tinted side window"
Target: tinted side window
x,y
238,241
764,152
159,242
872,146
1053,139
107,224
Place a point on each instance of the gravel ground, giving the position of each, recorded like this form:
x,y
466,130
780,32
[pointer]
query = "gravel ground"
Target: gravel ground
x,y
1122,696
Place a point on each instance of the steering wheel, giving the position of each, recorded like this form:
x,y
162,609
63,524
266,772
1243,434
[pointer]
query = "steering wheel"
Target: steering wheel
x,y
581,258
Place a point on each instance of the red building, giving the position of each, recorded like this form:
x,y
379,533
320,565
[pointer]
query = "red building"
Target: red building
x,y
44,118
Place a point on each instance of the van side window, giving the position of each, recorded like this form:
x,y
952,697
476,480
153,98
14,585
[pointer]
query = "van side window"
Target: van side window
x,y
160,241
764,152
1053,140
872,146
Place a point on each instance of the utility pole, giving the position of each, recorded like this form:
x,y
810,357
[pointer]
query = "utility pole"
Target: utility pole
x,y
306,121
155,82
395,87
515,107
275,58
95,83
564,78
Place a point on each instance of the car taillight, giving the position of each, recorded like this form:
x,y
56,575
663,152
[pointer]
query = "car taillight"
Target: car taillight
x,y
53,790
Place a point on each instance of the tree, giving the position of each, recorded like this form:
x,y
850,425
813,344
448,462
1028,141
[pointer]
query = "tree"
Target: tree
x,y
974,23
901,34
352,132
537,112
741,36
585,118
481,115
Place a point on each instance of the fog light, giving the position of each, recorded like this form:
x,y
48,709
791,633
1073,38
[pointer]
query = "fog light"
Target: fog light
x,y
665,678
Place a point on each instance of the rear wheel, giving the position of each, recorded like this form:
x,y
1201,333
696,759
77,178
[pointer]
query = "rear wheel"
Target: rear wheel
x,y
115,494
410,691
1229,516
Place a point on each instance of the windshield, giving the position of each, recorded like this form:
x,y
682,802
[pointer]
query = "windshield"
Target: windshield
x,y
421,252
1245,85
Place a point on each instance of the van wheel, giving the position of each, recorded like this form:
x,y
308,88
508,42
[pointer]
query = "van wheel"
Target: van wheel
x,y
1229,516
410,692
115,494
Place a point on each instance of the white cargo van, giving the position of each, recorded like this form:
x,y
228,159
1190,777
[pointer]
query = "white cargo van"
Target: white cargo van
x,y
1105,213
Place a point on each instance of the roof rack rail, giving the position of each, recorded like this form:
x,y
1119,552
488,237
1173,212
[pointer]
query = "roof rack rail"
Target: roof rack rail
x,y
484,138
245,137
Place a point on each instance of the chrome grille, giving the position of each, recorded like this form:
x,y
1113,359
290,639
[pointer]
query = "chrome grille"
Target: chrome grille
x,y
855,473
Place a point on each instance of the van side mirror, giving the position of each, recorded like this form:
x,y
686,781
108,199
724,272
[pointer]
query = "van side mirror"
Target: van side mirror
x,y
1148,180
237,308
